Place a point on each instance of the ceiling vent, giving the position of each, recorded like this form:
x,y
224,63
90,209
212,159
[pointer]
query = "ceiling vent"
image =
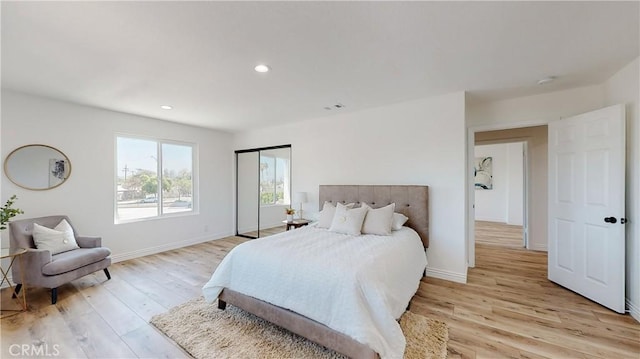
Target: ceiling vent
x,y
337,106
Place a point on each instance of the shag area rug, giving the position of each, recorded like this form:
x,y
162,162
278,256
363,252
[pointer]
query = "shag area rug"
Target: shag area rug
x,y
204,331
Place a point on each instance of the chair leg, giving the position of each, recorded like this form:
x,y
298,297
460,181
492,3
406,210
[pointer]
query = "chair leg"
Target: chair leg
x,y
17,290
54,295
222,304
106,272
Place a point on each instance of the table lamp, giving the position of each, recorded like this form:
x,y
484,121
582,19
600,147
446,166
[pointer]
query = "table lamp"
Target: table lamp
x,y
300,197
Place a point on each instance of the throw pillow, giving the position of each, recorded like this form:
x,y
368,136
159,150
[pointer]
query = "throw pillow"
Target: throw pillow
x,y
348,221
327,213
64,226
56,241
399,220
379,220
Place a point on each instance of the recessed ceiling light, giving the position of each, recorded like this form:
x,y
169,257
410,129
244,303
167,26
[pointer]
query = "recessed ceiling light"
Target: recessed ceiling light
x,y
261,68
166,107
546,80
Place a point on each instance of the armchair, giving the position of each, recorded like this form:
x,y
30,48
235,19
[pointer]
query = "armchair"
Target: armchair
x,y
42,269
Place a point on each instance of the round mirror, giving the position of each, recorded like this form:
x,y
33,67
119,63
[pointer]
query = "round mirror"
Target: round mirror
x,y
37,167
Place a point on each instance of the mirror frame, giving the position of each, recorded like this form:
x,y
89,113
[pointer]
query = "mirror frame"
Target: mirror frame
x,y
14,181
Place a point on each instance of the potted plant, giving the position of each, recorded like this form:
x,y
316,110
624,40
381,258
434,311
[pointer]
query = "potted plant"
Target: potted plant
x,y
289,212
7,212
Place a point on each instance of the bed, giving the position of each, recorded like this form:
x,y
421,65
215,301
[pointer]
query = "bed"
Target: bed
x,y
357,319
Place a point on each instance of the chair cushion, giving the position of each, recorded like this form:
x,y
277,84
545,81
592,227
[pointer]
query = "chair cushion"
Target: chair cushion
x,y
72,260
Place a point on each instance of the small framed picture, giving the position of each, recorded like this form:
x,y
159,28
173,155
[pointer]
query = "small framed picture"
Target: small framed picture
x,y
58,171
483,173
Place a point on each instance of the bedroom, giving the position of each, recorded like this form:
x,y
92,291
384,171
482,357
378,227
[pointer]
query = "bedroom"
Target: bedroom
x,y
356,145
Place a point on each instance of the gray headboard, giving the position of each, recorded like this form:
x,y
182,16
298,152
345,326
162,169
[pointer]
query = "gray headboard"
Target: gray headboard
x,y
412,201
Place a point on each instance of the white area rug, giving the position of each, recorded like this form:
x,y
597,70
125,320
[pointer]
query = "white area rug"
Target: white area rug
x,y
207,332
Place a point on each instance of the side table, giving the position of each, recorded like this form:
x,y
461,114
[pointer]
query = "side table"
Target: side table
x,y
296,223
13,255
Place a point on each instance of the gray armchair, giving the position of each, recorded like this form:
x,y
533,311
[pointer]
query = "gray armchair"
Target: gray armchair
x,y
42,269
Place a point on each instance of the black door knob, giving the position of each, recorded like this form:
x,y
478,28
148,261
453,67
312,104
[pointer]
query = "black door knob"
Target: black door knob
x,y
610,219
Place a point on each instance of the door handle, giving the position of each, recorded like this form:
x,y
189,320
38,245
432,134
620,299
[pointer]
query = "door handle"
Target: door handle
x,y
610,219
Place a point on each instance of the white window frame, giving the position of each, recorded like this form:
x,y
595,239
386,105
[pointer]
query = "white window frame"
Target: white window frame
x,y
159,170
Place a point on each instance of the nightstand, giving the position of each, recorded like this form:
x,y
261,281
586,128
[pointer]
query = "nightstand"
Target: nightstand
x,y
296,223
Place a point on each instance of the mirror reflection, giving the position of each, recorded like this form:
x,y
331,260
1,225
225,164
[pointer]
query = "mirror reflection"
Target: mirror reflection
x,y
275,189
37,167
263,183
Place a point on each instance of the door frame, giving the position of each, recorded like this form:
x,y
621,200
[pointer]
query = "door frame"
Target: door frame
x,y
470,214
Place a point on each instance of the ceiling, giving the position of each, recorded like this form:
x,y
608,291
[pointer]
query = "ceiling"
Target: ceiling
x,y
198,57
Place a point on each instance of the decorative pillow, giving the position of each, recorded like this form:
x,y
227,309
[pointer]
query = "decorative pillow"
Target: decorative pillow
x,y
327,213
57,240
378,221
399,220
348,221
64,226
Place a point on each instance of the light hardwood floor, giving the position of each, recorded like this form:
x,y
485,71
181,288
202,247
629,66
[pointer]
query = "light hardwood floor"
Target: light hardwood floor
x,y
499,234
506,310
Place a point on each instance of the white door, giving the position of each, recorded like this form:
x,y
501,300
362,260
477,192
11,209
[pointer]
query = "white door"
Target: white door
x,y
586,205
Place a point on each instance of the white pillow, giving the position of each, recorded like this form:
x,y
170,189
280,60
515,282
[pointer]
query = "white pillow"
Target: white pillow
x,y
348,221
399,220
64,226
327,213
378,221
57,240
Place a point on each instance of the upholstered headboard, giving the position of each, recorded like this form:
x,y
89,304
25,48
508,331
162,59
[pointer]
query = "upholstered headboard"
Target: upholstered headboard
x,y
412,201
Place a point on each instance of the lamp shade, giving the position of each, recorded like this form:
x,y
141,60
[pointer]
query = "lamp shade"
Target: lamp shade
x,y
300,197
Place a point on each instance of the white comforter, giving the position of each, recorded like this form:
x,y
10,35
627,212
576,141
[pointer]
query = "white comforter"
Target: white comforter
x,y
356,285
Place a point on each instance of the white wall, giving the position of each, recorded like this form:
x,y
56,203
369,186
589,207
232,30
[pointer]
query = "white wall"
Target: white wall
x,y
417,142
503,203
87,136
491,205
533,110
623,88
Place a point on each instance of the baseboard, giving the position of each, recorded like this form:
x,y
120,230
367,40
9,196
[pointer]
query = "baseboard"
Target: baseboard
x,y
634,310
490,219
447,275
167,247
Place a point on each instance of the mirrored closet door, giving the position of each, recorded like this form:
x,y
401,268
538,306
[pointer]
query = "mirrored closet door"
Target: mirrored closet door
x,y
263,190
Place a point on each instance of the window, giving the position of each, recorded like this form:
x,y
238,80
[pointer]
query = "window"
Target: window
x,y
274,183
154,178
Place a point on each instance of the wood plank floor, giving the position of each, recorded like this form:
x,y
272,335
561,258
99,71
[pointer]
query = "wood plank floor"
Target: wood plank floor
x,y
507,310
499,234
